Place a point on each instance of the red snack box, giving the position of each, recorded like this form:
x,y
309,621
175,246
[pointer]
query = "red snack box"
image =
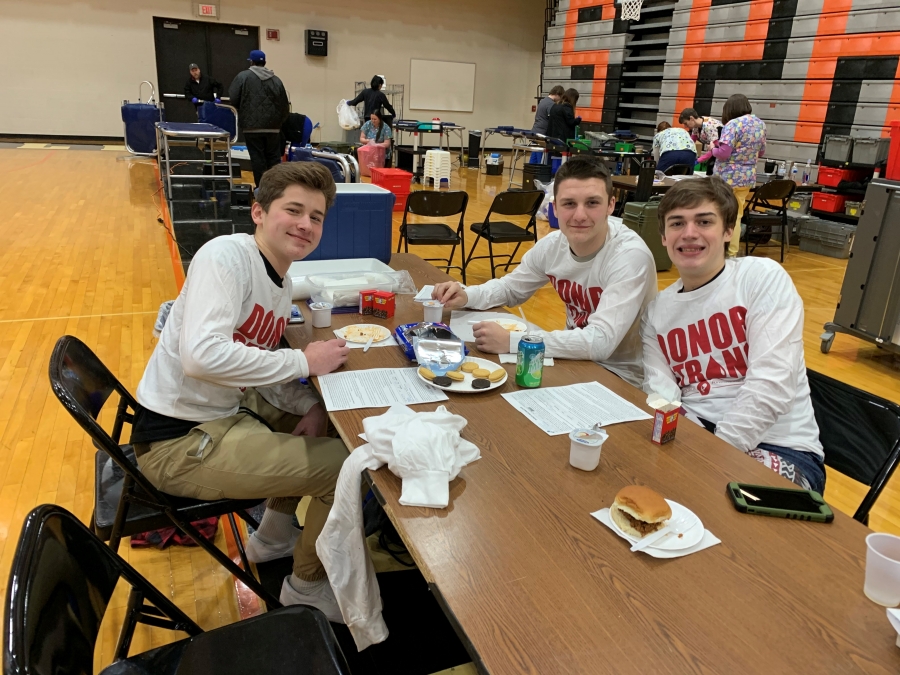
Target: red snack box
x,y
366,301
383,304
664,424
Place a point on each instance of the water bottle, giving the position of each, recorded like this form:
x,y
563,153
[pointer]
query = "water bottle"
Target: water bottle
x,y
795,172
807,172
781,169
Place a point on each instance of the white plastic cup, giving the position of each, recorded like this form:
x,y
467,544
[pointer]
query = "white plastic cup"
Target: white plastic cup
x,y
321,314
883,569
434,311
584,450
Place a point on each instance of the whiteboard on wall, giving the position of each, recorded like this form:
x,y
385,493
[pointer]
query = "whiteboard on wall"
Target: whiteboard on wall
x,y
441,85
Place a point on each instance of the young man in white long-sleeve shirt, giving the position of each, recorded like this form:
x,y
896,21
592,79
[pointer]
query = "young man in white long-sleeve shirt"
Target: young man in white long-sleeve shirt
x,y
727,338
221,411
602,271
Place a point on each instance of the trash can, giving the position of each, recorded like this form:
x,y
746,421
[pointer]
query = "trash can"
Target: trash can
x,y
474,149
532,172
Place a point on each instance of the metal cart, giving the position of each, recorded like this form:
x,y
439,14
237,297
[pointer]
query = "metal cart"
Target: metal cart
x,y
200,135
869,305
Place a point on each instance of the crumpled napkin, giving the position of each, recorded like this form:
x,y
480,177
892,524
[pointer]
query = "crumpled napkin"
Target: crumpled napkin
x,y
893,616
426,451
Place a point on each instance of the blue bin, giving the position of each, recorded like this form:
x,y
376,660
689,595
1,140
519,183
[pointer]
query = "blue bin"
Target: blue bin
x,y
551,216
536,157
555,163
359,225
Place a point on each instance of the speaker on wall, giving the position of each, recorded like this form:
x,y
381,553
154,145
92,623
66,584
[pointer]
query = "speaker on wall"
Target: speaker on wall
x,y
316,42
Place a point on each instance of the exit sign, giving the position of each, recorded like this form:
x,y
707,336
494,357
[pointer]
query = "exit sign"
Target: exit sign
x,y
209,10
273,34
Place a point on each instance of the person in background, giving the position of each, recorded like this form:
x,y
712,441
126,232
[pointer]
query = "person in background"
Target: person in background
x,y
376,132
702,128
741,144
263,106
726,339
374,100
542,116
671,146
200,88
562,120
601,270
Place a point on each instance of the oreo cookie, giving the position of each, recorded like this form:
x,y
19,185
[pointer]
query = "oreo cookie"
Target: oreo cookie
x,y
442,381
479,383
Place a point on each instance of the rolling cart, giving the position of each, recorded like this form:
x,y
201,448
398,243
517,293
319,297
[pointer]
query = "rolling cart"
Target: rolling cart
x,y
200,135
139,120
869,304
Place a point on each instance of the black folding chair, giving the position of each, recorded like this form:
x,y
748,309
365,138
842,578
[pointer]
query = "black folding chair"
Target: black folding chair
x,y
860,433
511,203
62,579
436,205
772,197
679,170
125,502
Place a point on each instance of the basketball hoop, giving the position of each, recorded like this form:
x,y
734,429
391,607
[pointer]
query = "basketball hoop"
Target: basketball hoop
x,y
631,10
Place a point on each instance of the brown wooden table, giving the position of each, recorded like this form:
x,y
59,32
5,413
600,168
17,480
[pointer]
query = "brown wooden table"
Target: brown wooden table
x,y
534,584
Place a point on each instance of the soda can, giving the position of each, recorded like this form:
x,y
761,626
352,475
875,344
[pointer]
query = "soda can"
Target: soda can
x,y
530,361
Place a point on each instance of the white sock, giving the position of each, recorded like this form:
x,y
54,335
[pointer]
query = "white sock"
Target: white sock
x,y
275,527
306,587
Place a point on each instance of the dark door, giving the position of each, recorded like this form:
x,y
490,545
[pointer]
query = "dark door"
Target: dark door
x,y
220,50
229,47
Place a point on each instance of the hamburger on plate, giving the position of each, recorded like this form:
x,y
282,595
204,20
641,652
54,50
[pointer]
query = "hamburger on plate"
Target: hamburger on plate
x,y
638,511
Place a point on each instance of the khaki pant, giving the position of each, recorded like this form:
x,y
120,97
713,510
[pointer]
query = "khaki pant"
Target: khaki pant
x,y
741,194
238,457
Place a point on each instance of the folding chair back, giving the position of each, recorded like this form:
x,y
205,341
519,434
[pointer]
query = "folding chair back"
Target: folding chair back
x,y
773,197
83,385
61,580
679,170
436,204
517,203
859,432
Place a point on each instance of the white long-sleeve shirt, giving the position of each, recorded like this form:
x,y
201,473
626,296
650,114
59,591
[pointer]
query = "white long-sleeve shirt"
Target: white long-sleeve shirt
x,y
732,353
604,297
220,338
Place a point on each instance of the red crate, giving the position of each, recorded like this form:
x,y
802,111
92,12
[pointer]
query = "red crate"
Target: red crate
x,y
395,180
831,177
827,201
400,202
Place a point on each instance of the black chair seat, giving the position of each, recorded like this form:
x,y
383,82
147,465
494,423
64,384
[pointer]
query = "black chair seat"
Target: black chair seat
x,y
431,234
502,232
292,639
109,479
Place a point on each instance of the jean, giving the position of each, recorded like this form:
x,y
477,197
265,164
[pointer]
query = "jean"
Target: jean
x,y
810,465
673,157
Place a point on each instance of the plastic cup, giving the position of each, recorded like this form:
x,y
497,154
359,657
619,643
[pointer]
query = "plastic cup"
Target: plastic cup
x,y
434,311
584,451
883,569
321,314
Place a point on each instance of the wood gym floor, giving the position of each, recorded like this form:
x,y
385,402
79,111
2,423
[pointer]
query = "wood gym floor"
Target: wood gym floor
x,y
84,255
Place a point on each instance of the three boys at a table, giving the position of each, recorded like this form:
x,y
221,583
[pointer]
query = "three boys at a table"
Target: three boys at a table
x,y
222,413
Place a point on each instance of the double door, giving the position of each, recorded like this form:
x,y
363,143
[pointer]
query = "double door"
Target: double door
x,y
220,49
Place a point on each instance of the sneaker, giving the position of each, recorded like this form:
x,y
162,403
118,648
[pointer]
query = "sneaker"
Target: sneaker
x,y
259,552
322,598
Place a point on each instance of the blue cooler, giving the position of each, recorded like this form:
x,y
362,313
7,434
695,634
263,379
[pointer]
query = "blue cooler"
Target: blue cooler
x,y
551,216
359,225
555,163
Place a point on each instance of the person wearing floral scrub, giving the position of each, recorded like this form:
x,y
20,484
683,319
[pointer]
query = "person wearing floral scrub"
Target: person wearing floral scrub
x,y
742,142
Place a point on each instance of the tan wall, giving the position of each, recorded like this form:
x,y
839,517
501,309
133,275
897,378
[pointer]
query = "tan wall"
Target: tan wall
x,y
67,66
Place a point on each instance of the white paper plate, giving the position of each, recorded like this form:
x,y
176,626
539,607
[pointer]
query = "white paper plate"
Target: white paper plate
x,y
465,387
691,536
383,334
509,324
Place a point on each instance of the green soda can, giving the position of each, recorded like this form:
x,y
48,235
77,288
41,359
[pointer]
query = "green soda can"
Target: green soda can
x,y
530,362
